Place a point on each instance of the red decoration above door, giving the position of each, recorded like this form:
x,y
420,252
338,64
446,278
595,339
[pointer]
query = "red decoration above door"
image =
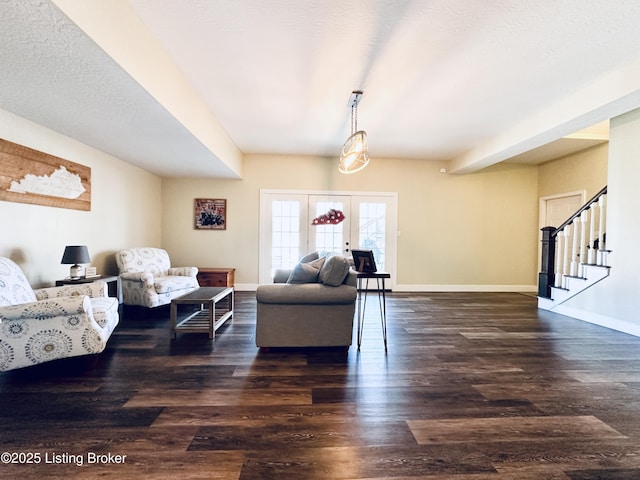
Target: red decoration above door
x,y
332,217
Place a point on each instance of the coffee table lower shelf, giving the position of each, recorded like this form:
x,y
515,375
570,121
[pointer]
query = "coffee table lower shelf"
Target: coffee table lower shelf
x,y
216,307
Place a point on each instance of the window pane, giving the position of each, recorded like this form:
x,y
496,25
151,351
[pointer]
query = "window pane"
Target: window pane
x,y
372,221
285,235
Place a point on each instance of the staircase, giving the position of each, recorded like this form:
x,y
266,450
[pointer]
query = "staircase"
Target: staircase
x,y
574,285
574,255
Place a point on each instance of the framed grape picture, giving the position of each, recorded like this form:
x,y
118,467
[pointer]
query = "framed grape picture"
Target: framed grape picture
x,y
210,213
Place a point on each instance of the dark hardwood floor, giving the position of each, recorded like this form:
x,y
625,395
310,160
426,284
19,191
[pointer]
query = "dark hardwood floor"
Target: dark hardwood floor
x,y
475,386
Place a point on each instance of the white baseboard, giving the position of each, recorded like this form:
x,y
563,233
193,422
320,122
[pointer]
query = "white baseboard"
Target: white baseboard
x,y
597,319
465,288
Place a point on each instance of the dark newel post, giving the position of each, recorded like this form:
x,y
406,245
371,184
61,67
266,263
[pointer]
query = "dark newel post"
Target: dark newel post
x,y
546,277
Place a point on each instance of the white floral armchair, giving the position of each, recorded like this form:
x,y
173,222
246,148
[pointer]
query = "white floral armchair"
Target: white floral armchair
x,y
51,323
149,280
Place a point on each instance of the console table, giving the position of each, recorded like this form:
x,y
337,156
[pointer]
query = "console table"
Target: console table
x,y
382,301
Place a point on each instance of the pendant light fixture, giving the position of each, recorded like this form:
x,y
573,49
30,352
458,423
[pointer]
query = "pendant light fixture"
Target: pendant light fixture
x,y
355,152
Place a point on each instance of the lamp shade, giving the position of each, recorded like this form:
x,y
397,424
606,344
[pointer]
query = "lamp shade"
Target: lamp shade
x,y
355,153
74,254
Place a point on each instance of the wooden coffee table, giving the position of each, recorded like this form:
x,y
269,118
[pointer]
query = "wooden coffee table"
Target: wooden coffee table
x,y
216,307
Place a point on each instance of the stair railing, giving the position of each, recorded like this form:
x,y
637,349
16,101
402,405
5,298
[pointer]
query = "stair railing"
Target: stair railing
x,y
567,248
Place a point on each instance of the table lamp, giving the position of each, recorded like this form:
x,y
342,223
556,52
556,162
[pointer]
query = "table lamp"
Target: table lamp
x,y
73,255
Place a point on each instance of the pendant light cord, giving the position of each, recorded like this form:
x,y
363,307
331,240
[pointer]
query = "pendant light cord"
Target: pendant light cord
x,y
354,118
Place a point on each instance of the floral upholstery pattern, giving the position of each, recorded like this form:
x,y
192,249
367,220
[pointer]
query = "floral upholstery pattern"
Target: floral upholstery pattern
x,y
149,280
50,323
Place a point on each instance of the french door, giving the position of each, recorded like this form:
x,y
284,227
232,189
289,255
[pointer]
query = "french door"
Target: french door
x,y
293,224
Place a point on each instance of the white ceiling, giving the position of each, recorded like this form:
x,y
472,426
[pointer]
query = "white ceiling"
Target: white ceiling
x,y
184,88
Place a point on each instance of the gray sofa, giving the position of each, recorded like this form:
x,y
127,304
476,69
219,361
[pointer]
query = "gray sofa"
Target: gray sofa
x,y
298,311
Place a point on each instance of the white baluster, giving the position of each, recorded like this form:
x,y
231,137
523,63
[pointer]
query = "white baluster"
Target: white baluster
x,y
601,228
582,256
592,235
559,260
565,259
575,230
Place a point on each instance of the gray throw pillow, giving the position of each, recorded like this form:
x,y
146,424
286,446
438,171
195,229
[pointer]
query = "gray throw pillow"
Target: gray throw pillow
x,y
306,272
309,257
334,270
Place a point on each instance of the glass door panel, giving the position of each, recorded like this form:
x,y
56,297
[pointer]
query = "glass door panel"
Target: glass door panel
x,y
376,229
283,232
330,223
371,231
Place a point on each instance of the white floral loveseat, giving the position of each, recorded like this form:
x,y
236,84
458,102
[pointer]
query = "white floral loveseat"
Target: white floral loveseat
x,y
149,280
46,324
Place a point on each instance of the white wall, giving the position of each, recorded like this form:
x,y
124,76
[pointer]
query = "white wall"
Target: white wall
x,y
615,302
458,232
124,209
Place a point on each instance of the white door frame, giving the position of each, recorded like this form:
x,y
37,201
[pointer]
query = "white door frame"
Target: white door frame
x,y
392,224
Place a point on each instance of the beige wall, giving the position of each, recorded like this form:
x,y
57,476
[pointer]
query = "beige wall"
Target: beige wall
x,y
124,209
474,231
463,232
585,170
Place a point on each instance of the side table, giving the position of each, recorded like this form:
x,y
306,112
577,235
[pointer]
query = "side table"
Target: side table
x,y
382,301
216,277
113,284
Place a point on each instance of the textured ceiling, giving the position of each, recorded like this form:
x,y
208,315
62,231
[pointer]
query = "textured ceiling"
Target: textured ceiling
x,y
442,79
53,74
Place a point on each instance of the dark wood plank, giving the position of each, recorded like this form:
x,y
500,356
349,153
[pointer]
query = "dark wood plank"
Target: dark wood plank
x,y
474,386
